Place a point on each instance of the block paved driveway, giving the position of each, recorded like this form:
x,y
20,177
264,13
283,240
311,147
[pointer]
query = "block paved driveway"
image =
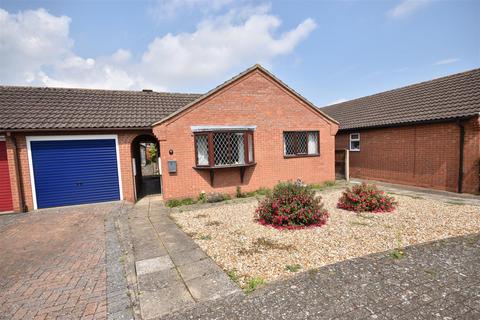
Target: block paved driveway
x,y
62,263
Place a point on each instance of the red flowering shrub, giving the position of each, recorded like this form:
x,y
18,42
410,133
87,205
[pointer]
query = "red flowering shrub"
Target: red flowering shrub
x,y
291,206
364,197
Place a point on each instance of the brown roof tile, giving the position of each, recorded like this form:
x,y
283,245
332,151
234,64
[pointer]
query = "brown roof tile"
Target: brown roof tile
x,y
58,108
454,96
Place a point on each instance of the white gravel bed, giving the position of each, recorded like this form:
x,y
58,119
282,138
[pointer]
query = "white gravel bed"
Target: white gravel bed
x,y
235,241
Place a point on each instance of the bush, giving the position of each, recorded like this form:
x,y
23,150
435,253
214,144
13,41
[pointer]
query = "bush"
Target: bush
x,y
366,198
291,206
240,194
217,197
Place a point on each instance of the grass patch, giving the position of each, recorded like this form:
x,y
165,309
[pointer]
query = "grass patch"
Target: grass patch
x,y
456,202
180,202
253,284
396,254
293,267
323,186
205,237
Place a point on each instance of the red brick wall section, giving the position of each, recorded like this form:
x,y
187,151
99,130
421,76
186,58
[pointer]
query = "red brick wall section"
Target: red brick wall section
x,y
424,155
258,100
471,163
125,139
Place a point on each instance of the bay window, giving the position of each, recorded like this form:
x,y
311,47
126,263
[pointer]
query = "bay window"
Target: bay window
x,y
218,149
301,143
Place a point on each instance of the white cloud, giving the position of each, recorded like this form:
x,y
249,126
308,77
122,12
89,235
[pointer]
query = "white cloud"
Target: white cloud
x,y
446,61
407,7
36,49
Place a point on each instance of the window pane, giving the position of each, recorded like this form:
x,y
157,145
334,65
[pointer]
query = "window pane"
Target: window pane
x,y
354,136
238,149
202,150
302,144
289,143
313,143
250,147
221,143
354,145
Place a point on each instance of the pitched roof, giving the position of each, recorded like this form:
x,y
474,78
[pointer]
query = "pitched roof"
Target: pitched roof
x,y
449,97
241,75
58,108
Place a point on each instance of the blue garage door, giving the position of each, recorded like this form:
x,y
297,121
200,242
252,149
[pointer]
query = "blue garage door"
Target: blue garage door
x,y
69,172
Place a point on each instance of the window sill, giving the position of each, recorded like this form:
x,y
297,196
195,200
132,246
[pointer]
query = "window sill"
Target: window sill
x,y
225,167
301,156
354,150
213,169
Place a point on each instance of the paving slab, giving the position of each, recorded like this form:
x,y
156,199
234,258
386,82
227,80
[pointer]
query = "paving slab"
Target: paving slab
x,y
153,265
172,272
163,301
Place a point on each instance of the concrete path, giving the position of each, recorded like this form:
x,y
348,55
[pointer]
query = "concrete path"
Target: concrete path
x,y
173,273
444,196
438,280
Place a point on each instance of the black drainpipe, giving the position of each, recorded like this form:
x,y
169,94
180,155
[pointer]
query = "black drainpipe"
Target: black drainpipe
x,y
23,207
460,161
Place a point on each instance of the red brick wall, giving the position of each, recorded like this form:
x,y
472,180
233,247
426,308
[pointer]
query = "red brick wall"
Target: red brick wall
x,y
258,100
421,155
125,139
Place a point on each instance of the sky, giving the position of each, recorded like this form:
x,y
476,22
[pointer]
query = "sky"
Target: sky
x,y
329,51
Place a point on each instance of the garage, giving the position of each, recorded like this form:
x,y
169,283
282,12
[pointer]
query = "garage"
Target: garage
x,y
72,170
6,203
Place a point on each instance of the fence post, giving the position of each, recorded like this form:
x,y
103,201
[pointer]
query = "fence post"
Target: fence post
x,y
347,164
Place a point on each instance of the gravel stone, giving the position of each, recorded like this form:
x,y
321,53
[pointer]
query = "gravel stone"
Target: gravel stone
x,y
237,242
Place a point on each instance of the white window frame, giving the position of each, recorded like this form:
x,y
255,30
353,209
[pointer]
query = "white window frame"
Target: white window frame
x,y
70,137
352,140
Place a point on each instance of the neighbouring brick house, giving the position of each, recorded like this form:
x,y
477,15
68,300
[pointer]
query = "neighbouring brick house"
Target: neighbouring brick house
x,y
72,146
426,134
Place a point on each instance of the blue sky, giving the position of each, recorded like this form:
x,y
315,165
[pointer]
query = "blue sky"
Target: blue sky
x,y
328,51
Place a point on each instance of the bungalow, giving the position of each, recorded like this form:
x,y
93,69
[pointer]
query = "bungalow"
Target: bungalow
x,y
426,134
73,146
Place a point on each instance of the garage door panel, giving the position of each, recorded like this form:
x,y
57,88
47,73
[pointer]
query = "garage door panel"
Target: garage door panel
x,y
69,172
6,203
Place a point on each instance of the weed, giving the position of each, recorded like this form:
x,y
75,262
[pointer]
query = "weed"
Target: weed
x,y
205,237
232,274
359,223
264,243
213,223
202,215
396,253
293,267
431,272
253,283
239,193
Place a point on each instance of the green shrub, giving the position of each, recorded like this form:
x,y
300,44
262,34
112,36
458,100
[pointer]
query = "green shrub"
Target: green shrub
x,y
291,206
